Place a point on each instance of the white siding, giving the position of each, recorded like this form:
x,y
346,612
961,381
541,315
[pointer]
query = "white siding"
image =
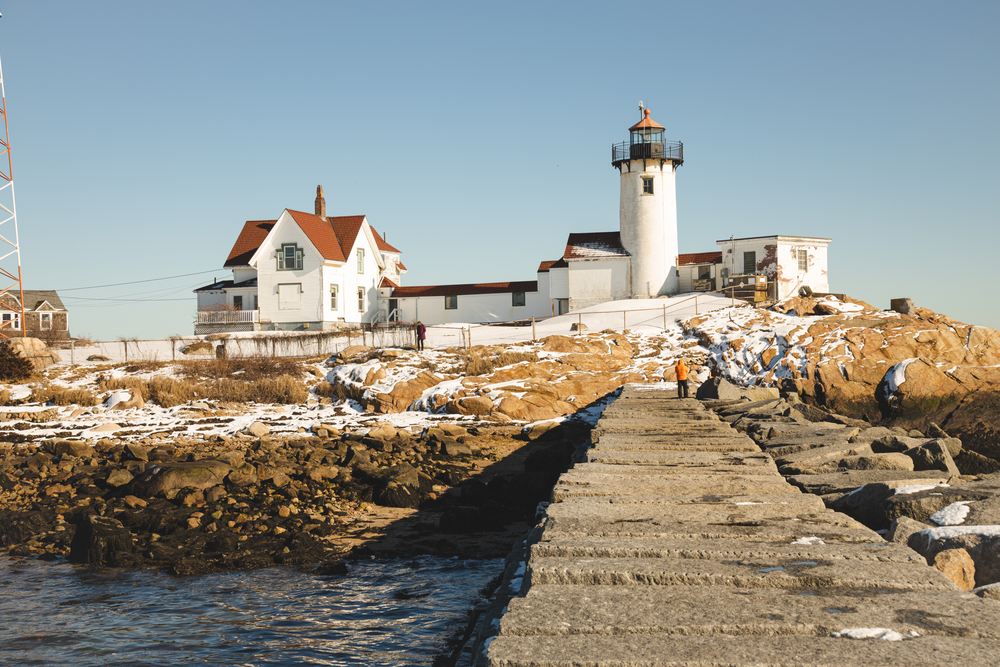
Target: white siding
x,y
310,277
597,281
474,308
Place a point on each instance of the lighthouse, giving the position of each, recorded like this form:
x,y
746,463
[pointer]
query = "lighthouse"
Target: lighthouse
x,y
648,208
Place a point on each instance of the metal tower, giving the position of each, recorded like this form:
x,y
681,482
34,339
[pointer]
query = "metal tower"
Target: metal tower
x,y
11,290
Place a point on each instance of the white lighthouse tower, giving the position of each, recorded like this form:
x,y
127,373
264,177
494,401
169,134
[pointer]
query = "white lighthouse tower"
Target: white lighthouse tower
x,y
648,209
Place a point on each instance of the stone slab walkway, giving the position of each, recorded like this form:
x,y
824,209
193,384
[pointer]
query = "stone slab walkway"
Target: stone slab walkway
x,y
679,543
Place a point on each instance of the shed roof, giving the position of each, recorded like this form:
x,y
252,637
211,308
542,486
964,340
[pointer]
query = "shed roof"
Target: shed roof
x,y
470,288
699,258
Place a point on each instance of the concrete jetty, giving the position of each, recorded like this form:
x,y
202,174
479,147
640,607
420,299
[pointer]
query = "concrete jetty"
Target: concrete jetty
x,y
677,542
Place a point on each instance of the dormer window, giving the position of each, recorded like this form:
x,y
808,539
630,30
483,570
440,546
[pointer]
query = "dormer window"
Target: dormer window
x,y
361,260
290,257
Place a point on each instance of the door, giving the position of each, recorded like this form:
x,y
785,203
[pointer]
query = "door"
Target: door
x,y
393,310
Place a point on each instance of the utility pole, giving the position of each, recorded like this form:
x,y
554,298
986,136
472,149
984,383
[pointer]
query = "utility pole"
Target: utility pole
x,y
11,289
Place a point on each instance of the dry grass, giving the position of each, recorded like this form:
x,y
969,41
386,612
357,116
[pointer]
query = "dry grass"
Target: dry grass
x,y
143,366
168,392
4,397
511,358
250,369
478,366
334,391
62,396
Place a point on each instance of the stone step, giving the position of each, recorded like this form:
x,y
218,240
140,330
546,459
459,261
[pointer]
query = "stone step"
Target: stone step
x,y
661,650
563,546
690,509
659,426
787,573
554,610
849,480
668,463
618,441
568,491
821,455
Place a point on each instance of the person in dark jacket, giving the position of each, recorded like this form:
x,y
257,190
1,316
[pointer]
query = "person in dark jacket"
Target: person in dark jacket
x,y
421,335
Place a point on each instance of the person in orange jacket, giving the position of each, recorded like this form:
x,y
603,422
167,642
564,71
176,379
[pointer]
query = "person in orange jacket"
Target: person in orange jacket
x,y
682,379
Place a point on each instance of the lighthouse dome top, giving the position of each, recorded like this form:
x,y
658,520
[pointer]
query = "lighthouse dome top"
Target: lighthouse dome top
x,y
646,123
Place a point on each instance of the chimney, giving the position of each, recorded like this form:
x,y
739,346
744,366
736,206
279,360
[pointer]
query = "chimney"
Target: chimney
x,y
320,202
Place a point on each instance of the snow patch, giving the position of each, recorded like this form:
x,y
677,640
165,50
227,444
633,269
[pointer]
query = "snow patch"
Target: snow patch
x,y
874,633
953,514
915,488
809,540
896,375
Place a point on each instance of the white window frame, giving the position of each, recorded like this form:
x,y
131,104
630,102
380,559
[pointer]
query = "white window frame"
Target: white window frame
x,y
361,298
296,257
45,321
361,260
647,180
803,258
15,317
333,297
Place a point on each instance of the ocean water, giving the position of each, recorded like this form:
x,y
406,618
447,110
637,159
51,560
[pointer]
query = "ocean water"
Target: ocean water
x,y
383,612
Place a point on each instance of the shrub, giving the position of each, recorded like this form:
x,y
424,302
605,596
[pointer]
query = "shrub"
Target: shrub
x,y
511,358
478,366
62,396
247,368
13,367
336,391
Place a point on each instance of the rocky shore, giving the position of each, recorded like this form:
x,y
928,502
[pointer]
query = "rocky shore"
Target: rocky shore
x,y
256,500
924,490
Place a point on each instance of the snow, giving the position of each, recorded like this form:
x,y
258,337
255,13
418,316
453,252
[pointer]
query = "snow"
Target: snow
x,y
916,488
809,540
874,633
949,532
896,375
953,514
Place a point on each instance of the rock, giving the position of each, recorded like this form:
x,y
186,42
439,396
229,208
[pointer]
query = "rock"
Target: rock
x,y
215,494
97,539
34,351
61,447
37,461
331,568
903,528
957,565
199,348
935,431
258,429
867,504
98,357
719,389
537,430
892,461
137,452
810,412
455,448
245,475
470,405
872,434
134,503
106,428
953,445
834,418
383,433
280,480
233,458
933,456
453,430
355,354
166,477
119,477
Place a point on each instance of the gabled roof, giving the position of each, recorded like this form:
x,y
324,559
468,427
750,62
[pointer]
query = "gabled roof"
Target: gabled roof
x,y
594,245
381,242
34,299
222,285
699,258
473,288
252,235
546,265
387,283
333,237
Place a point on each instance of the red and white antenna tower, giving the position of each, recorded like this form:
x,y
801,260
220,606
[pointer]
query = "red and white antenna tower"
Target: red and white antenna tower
x,y
11,290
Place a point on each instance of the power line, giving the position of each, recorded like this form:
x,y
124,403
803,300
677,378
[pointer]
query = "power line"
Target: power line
x,y
135,282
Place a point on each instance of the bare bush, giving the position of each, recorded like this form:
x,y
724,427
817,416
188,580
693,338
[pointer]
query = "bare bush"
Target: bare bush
x,y
13,367
247,368
478,366
511,358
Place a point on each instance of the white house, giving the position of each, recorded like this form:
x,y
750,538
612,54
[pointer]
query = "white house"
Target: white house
x,y
789,262
300,271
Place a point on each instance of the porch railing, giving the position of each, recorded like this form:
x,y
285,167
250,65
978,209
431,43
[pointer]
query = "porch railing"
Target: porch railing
x,y
228,317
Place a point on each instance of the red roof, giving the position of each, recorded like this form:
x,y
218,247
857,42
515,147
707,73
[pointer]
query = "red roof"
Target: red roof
x,y
381,242
400,266
476,288
252,235
594,245
546,265
646,123
699,258
387,283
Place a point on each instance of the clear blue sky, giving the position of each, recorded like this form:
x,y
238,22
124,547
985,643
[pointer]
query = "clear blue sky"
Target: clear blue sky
x,y
476,136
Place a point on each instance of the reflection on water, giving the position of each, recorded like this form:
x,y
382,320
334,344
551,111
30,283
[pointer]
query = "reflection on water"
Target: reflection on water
x,y
396,612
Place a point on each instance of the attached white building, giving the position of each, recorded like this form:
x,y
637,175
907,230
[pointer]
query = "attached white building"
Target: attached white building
x,y
789,262
300,271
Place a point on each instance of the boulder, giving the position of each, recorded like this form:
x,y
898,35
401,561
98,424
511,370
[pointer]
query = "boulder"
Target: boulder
x,y
258,429
903,528
167,477
384,432
933,456
137,452
35,351
537,430
957,565
245,475
470,405
199,348
892,461
61,447
119,477
97,539
355,354
718,389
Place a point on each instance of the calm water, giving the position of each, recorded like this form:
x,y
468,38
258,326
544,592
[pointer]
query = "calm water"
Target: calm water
x,y
58,614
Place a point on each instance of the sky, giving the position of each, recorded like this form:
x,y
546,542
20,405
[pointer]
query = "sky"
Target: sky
x,y
476,137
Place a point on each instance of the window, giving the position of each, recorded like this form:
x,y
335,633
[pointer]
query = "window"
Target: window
x,y
255,305
750,262
290,257
289,296
517,299
705,272
803,261
451,302
333,297
361,260
361,299
237,303
12,320
647,186
46,320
